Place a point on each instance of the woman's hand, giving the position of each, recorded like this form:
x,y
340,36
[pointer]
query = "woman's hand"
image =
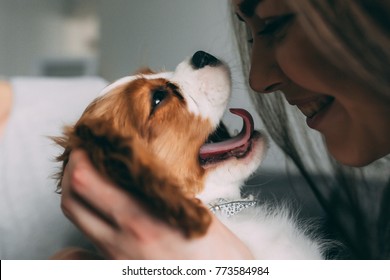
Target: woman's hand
x,y
122,229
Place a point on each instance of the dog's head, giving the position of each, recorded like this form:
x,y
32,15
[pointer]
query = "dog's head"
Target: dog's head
x,y
175,114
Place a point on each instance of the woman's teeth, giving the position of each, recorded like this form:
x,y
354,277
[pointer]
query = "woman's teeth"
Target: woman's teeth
x,y
310,109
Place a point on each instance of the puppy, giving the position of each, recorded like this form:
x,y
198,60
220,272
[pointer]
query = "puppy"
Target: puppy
x,y
148,133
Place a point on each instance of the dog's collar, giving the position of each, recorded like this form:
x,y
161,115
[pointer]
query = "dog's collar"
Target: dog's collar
x,y
230,208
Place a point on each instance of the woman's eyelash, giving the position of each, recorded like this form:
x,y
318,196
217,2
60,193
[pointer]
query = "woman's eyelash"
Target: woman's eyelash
x,y
273,25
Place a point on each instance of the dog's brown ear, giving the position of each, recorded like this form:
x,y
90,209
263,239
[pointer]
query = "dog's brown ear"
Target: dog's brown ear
x,y
127,163
65,142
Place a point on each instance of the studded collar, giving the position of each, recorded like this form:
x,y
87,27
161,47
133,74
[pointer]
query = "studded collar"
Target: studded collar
x,y
230,208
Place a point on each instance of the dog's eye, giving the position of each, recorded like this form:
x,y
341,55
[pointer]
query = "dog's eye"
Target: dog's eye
x,y
157,97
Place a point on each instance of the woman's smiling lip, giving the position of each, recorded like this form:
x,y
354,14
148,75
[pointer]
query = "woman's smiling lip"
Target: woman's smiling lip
x,y
313,108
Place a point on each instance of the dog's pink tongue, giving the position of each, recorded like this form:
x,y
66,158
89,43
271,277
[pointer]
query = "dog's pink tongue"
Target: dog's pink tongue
x,y
213,149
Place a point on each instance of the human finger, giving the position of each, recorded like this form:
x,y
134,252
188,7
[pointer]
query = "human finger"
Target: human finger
x,y
93,225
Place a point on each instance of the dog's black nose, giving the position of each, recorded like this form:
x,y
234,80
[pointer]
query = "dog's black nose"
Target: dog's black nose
x,y
201,59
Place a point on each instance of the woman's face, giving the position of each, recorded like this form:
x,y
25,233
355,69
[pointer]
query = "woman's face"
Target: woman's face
x,y
354,121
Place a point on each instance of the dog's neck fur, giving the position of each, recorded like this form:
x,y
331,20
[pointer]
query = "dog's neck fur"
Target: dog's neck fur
x,y
219,184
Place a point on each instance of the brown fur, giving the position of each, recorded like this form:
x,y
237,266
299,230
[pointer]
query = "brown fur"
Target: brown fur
x,y
144,150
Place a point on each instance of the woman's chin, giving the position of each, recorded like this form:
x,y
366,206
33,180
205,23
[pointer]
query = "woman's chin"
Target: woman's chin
x,y
353,156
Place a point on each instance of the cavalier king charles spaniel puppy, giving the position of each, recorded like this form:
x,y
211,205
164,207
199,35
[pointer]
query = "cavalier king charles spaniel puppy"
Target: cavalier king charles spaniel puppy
x,y
160,137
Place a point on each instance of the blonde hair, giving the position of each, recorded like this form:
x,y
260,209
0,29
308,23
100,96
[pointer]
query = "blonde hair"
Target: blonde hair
x,y
354,36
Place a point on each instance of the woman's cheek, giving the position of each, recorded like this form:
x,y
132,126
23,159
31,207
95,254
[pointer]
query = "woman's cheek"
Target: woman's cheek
x,y
300,60
304,66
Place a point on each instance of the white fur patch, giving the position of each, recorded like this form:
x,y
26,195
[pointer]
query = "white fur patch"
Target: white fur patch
x,y
128,79
206,90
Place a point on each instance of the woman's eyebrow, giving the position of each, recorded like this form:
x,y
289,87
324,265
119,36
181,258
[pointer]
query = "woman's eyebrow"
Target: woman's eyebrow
x,y
247,7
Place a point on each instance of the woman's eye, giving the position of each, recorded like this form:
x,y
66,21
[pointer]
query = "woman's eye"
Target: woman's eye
x,y
275,25
157,97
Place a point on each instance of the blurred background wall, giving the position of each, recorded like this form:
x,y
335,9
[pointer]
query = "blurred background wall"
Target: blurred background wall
x,y
115,38
35,33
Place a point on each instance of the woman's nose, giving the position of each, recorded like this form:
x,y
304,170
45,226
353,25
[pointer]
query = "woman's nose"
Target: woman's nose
x,y
265,74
